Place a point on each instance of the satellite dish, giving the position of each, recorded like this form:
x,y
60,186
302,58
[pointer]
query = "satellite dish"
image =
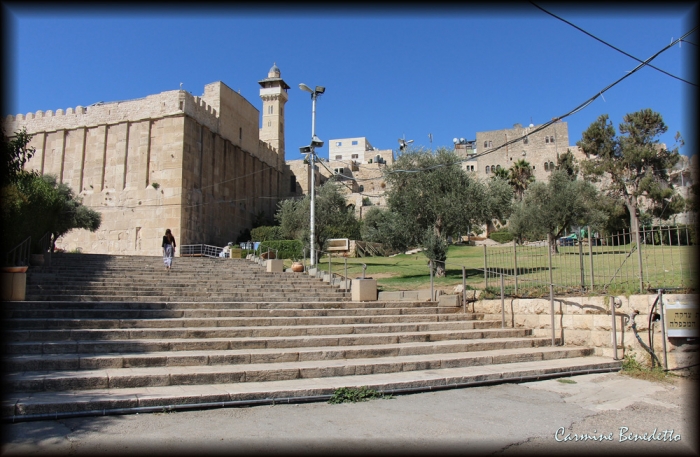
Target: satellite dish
x,y
455,140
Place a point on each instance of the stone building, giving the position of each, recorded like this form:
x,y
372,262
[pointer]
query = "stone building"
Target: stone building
x,y
201,166
540,149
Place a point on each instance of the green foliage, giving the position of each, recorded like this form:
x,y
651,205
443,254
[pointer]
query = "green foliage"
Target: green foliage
x,y
636,369
502,236
634,161
567,162
287,249
430,192
353,395
520,176
547,209
501,173
566,381
266,233
384,226
15,153
39,204
333,217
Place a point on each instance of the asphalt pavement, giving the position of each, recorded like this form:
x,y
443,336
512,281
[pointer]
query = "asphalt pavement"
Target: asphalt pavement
x,y
601,413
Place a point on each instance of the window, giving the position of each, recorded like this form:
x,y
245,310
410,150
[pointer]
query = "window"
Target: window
x,y
269,123
338,143
490,143
551,139
240,133
545,167
546,139
355,156
498,167
525,140
354,143
269,109
551,166
338,157
293,183
486,144
487,169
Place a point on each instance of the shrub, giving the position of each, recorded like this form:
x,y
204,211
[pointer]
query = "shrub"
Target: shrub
x,y
266,233
287,249
501,236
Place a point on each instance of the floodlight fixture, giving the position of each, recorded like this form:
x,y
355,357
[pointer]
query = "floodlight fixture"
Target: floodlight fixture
x,y
316,142
305,149
303,86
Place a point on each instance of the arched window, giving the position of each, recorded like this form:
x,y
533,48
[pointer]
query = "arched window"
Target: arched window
x,y
488,169
546,139
551,139
486,144
551,166
490,144
498,167
545,167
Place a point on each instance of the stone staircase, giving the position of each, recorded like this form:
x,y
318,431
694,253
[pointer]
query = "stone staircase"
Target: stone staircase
x,y
117,334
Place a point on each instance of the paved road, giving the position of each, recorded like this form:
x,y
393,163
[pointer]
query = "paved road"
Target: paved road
x,y
529,418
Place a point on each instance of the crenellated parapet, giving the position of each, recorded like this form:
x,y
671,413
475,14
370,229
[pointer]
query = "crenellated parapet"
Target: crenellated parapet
x,y
171,103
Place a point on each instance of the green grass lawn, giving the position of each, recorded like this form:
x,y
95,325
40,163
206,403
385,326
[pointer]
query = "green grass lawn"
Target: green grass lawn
x,y
614,267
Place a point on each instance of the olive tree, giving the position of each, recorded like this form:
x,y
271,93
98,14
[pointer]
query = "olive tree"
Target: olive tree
x,y
432,197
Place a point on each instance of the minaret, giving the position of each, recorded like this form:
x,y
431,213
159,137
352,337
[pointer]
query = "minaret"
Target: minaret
x,y
273,92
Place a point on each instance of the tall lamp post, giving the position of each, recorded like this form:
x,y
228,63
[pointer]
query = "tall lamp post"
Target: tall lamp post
x,y
311,151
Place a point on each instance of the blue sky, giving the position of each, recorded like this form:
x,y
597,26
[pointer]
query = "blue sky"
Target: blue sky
x,y
445,71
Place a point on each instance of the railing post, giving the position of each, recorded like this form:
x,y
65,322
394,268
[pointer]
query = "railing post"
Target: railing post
x,y
486,275
580,258
503,305
551,290
515,263
614,328
464,289
330,274
639,260
590,254
346,273
663,327
432,294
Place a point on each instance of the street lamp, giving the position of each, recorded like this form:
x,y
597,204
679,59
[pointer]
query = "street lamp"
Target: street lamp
x,y
315,143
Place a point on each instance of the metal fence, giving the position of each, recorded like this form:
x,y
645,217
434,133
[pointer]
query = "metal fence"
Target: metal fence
x,y
200,250
664,258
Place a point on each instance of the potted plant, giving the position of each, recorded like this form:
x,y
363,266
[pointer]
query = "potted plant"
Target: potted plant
x,y
297,266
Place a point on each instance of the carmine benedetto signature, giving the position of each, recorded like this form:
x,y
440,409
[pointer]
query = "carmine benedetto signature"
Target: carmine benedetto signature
x,y
624,434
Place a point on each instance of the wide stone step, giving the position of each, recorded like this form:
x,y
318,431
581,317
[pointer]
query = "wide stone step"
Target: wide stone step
x,y
45,404
120,378
339,296
49,324
223,305
58,362
263,331
306,341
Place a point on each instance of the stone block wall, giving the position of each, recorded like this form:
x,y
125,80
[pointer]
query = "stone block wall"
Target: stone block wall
x,y
163,161
587,321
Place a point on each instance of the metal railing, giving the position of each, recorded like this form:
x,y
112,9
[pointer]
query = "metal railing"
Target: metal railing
x,y
19,256
663,258
200,250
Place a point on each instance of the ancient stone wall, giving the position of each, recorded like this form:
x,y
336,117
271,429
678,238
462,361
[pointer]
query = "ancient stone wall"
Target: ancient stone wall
x,y
163,161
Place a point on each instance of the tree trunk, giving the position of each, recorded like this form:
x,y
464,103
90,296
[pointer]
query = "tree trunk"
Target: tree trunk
x,y
552,243
439,269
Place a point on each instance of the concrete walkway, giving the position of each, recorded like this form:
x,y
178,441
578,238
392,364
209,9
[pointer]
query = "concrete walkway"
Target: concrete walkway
x,y
513,419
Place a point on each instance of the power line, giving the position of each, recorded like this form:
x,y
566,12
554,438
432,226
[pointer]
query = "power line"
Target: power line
x,y
556,119
611,46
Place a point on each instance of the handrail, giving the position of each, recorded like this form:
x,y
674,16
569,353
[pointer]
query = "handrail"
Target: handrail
x,y
19,254
44,243
200,250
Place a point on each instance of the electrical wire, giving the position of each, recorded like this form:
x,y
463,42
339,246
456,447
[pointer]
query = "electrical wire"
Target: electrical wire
x,y
611,46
